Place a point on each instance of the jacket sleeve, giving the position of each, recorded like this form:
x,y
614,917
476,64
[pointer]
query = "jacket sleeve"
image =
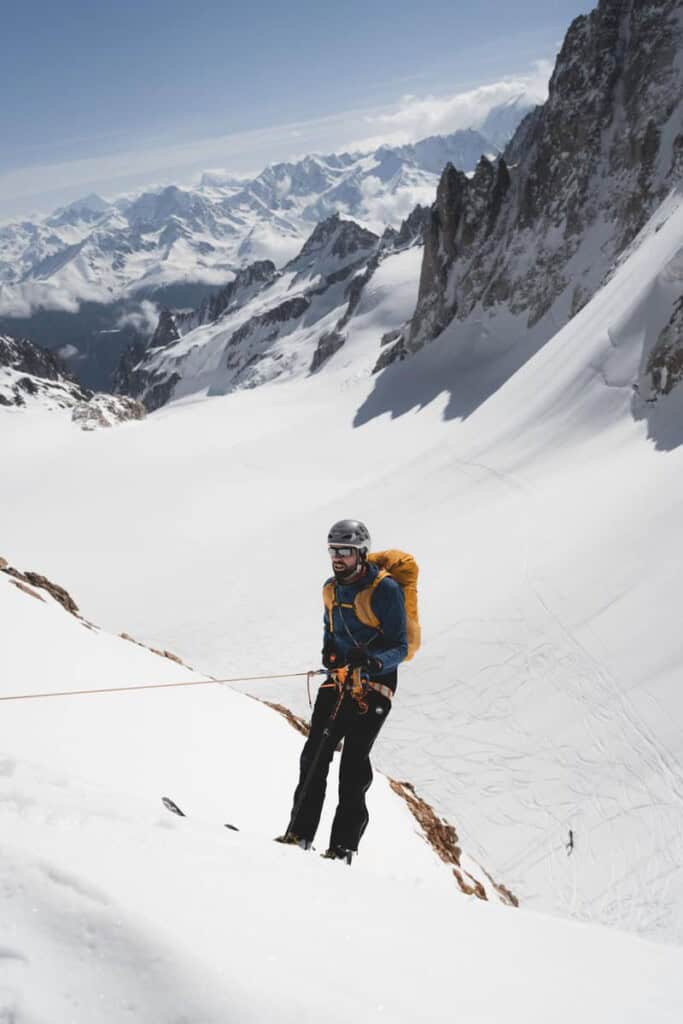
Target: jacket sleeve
x,y
389,607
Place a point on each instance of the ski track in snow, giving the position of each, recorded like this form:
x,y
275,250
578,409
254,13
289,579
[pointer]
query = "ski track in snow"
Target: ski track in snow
x,y
560,660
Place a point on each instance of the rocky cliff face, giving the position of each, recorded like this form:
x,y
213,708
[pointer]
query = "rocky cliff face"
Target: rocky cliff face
x,y
32,377
540,228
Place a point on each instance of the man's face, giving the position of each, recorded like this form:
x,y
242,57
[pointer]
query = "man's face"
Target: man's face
x,y
344,559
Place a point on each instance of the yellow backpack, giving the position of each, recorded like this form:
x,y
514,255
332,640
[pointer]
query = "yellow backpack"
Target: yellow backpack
x,y
403,568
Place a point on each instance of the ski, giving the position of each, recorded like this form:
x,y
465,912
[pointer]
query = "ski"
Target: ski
x,y
172,806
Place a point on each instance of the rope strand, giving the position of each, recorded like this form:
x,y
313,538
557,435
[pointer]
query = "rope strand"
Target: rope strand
x,y
161,686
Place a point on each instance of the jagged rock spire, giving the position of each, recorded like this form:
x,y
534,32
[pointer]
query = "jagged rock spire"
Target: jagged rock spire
x,y
601,153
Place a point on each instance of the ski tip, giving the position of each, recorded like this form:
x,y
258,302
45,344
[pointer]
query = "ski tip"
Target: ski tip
x,y
172,806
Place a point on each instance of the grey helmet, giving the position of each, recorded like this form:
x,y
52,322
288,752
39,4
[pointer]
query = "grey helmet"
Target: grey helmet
x,y
352,533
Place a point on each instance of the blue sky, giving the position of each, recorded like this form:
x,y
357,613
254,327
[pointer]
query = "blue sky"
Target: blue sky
x,y
107,97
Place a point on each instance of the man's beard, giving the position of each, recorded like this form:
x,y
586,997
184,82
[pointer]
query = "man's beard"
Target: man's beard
x,y
349,575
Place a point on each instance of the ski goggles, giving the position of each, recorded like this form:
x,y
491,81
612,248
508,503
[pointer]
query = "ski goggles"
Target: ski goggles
x,y
341,552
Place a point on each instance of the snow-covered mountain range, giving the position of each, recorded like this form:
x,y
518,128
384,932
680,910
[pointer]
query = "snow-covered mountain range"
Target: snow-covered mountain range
x,y
99,251
89,279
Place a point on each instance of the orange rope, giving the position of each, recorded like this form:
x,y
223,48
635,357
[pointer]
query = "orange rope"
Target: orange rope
x,y
156,686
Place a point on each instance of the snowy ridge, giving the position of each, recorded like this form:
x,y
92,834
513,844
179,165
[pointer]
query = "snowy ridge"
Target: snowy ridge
x,y
267,324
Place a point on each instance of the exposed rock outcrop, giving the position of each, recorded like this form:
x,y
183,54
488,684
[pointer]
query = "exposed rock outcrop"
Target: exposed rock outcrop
x,y
35,579
166,331
664,367
329,343
443,839
24,356
411,231
106,411
130,378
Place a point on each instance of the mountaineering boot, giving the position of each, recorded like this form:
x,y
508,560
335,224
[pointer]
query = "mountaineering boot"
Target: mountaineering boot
x,y
338,853
290,839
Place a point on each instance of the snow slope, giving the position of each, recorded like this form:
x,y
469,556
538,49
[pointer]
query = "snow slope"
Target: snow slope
x,y
545,521
113,910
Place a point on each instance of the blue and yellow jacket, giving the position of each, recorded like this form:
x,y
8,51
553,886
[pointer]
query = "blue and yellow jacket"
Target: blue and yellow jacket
x,y
389,644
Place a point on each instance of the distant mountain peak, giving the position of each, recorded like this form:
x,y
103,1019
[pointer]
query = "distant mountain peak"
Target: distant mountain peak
x,y
337,236
89,208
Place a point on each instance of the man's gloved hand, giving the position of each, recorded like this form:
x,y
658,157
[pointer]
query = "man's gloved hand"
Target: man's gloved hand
x,y
359,657
329,653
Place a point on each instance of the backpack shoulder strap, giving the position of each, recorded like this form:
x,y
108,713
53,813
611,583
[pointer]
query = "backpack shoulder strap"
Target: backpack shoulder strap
x,y
329,601
362,604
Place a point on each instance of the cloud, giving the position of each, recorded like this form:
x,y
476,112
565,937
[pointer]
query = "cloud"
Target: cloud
x,y
380,207
417,117
67,351
22,299
144,319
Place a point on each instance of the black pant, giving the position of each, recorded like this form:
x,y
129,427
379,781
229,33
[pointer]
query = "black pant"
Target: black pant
x,y
359,731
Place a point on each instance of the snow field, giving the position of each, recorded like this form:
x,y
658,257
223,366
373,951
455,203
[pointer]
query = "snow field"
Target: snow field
x,y
115,910
117,913
546,696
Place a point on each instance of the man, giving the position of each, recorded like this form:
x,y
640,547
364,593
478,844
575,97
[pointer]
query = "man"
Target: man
x,y
362,662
